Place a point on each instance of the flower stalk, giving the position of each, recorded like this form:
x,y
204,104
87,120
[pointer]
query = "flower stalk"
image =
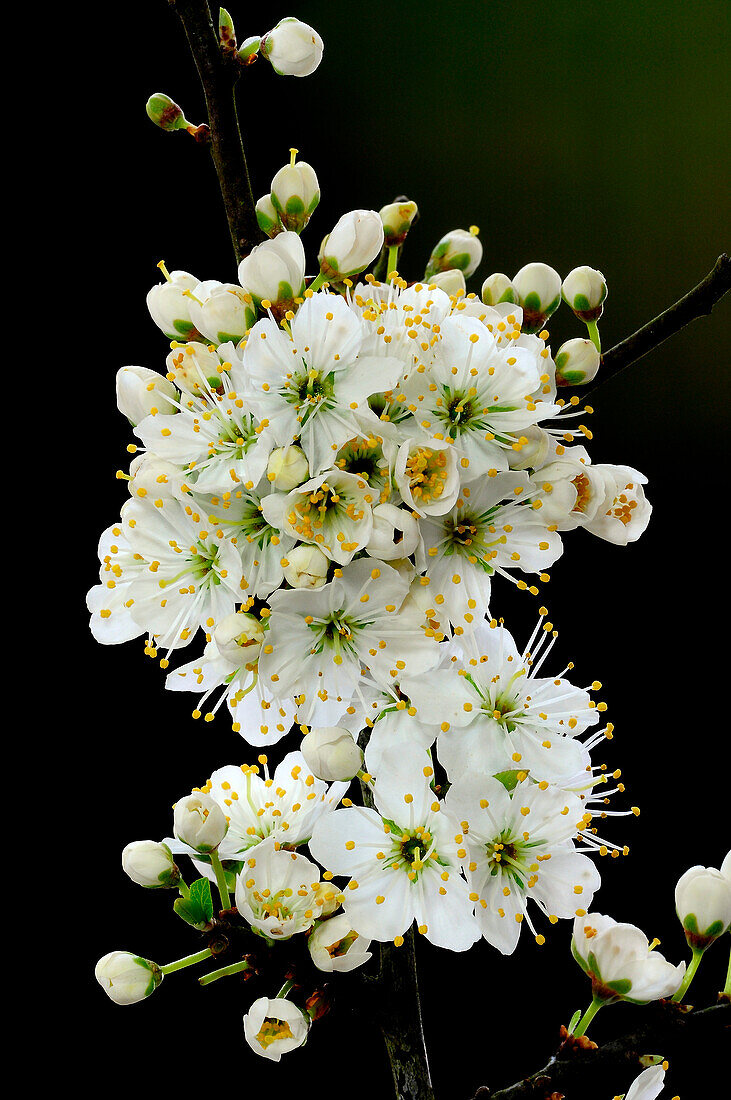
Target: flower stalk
x,y
188,960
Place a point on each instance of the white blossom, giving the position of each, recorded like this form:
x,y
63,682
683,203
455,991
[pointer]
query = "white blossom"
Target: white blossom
x,y
127,978
277,891
199,822
703,904
334,946
273,1026
293,48
140,390
149,863
620,961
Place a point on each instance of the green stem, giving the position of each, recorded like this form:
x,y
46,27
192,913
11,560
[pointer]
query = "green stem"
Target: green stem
x,y
189,960
220,880
232,968
594,335
727,987
393,252
285,988
588,1016
689,975
183,887
317,282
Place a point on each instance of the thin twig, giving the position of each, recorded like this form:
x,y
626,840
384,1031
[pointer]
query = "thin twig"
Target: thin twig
x,y
218,74
698,302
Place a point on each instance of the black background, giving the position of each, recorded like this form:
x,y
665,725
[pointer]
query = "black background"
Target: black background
x,y
592,133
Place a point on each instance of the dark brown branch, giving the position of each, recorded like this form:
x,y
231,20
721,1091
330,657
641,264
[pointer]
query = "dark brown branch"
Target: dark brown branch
x,y
698,302
218,74
578,1067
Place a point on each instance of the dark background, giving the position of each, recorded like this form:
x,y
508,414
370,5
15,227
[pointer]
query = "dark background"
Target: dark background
x,y
570,133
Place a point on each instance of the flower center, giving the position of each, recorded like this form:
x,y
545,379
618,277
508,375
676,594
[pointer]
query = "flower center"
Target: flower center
x,y
427,471
273,1030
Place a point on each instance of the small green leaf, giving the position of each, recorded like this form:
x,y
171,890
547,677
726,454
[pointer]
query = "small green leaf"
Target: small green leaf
x,y
574,1021
200,895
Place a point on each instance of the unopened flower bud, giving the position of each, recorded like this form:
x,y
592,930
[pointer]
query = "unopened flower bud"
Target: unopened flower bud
x,y
239,638
267,216
140,390
150,864
538,288
397,219
328,898
199,822
226,31
533,453
165,112
222,311
577,362
169,305
306,567
354,243
249,50
498,288
273,1026
620,961
287,468
334,946
153,477
459,249
127,978
703,905
451,282
292,48
274,271
584,291
331,753
395,533
194,367
295,193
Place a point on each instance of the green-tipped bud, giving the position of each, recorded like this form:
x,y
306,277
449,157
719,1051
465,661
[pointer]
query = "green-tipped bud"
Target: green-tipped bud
x,y
584,291
397,218
577,362
267,216
451,282
226,31
166,113
295,193
459,249
498,288
539,294
127,978
249,50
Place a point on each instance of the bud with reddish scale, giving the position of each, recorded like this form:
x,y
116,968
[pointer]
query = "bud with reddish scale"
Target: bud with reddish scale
x,y
165,113
226,31
397,218
249,50
458,249
538,288
577,362
584,290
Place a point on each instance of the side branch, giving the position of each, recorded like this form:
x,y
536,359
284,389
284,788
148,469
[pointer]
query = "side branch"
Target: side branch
x,y
218,75
698,302
579,1067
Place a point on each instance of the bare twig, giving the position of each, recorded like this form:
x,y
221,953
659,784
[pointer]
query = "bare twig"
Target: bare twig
x,y
218,74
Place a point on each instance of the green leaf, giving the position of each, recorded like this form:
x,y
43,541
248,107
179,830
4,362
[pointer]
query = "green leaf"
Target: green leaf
x,y
200,895
574,1021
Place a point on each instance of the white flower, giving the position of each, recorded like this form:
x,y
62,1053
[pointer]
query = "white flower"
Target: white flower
x,y
306,567
427,475
274,1026
140,390
397,218
460,248
331,753
199,822
570,489
395,533
517,847
334,946
451,282
332,510
222,312
277,891
295,194
169,305
620,962
127,978
194,368
539,293
402,861
293,48
150,476
498,288
497,712
309,383
399,321
150,864
355,241
625,512
274,271
577,362
287,468
648,1085
585,290
703,904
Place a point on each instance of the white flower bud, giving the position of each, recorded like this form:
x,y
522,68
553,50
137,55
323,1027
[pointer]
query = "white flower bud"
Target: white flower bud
x,y
292,48
274,1026
150,864
222,312
395,533
498,288
577,362
267,216
648,1085
331,753
625,512
199,822
274,271
287,468
532,454
459,249
306,567
335,946
355,242
620,962
169,306
127,978
538,288
195,367
328,898
140,390
397,219
239,638
295,194
584,291
153,477
703,905
451,282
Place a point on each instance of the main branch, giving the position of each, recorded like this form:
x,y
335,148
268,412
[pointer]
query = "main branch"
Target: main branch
x,y
698,302
218,75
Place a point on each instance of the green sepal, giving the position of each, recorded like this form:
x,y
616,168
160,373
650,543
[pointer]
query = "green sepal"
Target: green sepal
x,y
621,987
186,329
509,779
580,303
225,337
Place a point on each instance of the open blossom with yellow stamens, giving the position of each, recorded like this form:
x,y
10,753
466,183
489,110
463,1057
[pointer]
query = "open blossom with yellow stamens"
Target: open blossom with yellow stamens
x,y
333,511
620,961
403,858
273,1026
277,891
427,475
